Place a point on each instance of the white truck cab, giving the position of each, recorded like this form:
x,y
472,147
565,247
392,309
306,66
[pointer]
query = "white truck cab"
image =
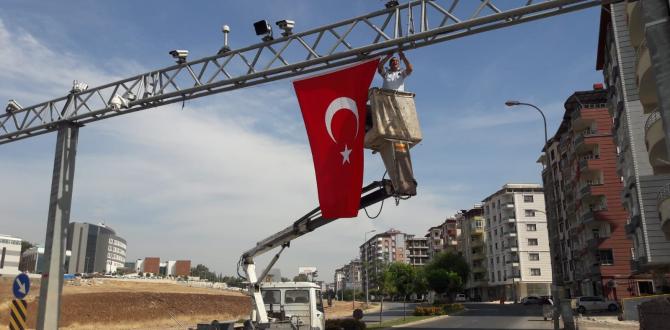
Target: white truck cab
x,y
297,302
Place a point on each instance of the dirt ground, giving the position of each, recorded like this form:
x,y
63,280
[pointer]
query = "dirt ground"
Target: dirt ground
x,y
343,309
116,304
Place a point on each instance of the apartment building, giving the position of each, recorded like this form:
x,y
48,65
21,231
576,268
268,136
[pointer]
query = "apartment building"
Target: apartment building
x,y
638,134
349,276
517,243
95,248
417,250
435,240
382,249
594,251
10,254
472,246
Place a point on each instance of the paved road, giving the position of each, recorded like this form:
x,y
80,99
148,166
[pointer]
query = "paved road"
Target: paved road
x,y
482,316
392,310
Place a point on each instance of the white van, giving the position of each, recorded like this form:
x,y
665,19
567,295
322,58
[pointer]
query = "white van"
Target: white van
x,y
297,302
460,297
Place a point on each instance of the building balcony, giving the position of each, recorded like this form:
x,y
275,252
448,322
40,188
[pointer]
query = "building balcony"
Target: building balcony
x,y
478,269
579,122
663,203
654,138
477,231
512,260
645,79
586,163
478,256
583,143
633,224
510,232
638,265
635,23
476,243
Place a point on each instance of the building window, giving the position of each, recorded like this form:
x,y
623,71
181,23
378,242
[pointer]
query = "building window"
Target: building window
x,y
495,232
535,272
533,256
491,262
493,276
494,218
531,227
530,213
497,260
532,241
606,257
496,246
528,198
498,275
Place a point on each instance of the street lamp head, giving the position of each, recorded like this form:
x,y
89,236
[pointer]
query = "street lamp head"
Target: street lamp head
x,y
511,103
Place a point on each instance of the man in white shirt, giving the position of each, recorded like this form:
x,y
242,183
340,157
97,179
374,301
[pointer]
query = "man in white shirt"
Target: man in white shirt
x,y
394,77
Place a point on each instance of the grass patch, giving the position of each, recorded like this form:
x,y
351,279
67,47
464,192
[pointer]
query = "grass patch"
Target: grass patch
x,y
387,324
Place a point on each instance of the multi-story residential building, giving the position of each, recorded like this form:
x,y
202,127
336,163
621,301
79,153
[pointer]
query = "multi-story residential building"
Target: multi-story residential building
x,y
638,134
351,273
516,242
435,240
594,252
382,249
95,248
417,250
10,254
450,234
472,246
176,268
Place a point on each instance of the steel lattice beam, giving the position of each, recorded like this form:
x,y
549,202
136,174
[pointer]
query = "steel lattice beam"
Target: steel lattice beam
x,y
411,25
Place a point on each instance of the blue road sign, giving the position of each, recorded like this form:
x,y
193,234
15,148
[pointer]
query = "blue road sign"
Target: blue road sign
x,y
21,286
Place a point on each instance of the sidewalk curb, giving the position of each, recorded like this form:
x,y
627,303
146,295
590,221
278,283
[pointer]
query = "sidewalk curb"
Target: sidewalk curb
x,y
431,319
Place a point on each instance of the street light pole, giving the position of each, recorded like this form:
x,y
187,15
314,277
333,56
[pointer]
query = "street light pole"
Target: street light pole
x,y
557,285
365,264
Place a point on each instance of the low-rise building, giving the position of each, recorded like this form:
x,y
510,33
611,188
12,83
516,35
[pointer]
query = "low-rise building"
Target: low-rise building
x,y
33,260
10,254
95,248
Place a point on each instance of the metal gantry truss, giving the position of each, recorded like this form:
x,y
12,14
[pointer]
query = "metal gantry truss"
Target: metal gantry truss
x,y
411,25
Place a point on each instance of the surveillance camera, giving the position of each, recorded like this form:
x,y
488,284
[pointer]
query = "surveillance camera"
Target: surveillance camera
x,y
263,28
285,24
225,29
78,87
13,106
180,55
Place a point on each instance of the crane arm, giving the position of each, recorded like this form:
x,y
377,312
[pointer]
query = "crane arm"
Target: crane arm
x,y
410,25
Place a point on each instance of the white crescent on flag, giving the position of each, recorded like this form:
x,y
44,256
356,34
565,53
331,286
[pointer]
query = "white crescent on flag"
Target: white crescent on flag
x,y
336,105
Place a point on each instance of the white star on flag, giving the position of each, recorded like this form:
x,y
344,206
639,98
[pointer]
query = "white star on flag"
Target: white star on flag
x,y
345,154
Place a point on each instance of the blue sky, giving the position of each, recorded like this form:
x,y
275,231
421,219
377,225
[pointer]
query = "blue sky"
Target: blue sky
x,y
206,182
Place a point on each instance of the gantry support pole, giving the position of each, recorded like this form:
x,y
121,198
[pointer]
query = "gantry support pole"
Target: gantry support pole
x,y
57,222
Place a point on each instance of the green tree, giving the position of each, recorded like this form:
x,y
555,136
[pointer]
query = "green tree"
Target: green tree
x,y
301,278
403,278
25,245
447,273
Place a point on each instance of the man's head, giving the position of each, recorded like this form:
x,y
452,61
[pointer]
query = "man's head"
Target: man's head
x,y
394,64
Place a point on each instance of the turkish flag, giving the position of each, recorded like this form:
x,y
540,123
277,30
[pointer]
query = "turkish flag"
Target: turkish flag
x,y
333,108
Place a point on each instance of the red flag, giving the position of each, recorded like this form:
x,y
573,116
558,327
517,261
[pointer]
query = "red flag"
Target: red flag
x,y
333,108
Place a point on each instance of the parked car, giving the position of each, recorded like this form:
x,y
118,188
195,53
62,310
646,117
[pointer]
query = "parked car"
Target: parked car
x,y
532,300
460,297
593,303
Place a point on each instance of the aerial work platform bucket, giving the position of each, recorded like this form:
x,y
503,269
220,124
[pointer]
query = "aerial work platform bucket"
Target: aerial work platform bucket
x,y
394,129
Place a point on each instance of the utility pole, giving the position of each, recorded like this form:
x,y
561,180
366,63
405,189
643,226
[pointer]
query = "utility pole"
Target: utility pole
x,y
51,287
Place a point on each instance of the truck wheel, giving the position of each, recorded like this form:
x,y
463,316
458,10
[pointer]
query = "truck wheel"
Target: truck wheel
x,y
248,325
